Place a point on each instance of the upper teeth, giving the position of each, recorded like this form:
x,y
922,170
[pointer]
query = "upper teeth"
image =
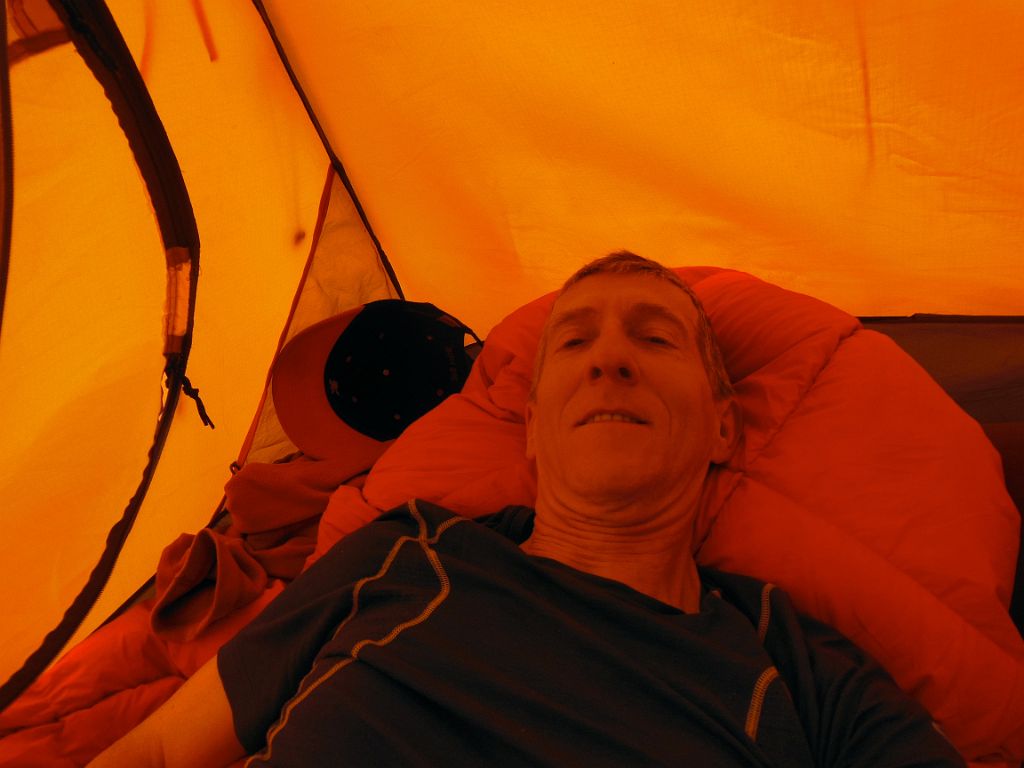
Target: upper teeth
x,y
612,417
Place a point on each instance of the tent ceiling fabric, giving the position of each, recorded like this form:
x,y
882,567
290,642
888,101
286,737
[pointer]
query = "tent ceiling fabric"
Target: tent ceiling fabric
x,y
866,153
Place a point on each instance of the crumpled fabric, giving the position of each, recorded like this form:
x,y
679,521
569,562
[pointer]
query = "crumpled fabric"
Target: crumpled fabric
x,y
275,511
108,683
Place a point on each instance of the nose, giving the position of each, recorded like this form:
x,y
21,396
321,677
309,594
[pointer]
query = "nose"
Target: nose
x,y
621,373
611,359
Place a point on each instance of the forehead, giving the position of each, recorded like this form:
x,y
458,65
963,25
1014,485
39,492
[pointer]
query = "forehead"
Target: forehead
x,y
623,295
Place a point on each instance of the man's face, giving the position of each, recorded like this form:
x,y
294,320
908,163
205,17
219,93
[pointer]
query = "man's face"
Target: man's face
x,y
623,407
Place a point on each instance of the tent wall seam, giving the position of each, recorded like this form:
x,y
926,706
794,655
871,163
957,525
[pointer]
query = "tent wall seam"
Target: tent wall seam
x,y
335,161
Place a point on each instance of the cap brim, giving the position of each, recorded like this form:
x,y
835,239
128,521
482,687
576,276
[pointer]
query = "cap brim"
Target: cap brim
x,y
297,389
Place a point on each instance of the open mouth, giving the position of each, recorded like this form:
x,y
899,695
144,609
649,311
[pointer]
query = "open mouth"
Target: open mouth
x,y
608,416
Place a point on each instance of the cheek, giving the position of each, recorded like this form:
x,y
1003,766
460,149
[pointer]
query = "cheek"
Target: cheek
x,y
552,392
542,424
692,411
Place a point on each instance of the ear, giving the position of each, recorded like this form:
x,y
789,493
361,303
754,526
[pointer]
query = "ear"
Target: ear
x,y
730,425
531,450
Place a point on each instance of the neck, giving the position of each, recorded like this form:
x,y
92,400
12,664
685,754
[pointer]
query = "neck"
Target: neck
x,y
648,547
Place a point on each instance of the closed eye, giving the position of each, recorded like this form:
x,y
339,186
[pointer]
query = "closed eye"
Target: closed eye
x,y
659,340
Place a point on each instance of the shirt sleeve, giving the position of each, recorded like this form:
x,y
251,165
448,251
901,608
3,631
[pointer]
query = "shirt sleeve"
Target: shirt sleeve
x,y
263,666
852,711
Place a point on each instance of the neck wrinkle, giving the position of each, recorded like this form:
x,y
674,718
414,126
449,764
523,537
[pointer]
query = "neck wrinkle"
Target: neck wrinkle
x,y
653,555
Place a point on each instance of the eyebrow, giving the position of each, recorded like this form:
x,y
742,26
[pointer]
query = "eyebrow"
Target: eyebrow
x,y
637,313
647,311
573,316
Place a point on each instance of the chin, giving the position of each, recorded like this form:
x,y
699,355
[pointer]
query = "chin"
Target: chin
x,y
606,486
